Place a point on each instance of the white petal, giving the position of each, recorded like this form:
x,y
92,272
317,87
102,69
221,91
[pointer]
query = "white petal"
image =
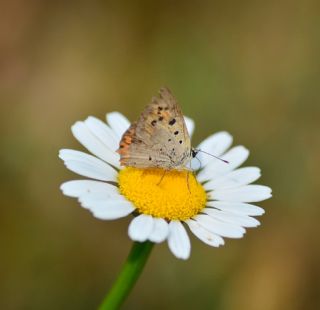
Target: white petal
x,y
189,124
111,210
204,235
216,145
100,199
103,132
141,227
87,165
93,144
118,123
178,240
228,217
160,230
235,156
248,193
218,227
77,188
236,207
236,178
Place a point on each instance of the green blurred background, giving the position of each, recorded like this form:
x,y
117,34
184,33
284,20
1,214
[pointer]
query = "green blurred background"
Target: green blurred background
x,y
249,67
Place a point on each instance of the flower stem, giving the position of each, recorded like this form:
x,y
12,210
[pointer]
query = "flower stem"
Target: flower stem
x,y
128,276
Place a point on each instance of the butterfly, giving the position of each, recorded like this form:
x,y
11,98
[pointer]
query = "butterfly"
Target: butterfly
x,y
159,138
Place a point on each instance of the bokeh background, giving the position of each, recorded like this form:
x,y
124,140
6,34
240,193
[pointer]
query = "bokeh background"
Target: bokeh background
x,y
249,67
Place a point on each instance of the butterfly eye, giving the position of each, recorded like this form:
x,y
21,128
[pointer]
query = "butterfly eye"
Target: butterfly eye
x,y
194,153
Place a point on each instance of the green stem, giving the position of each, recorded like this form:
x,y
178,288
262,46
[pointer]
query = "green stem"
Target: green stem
x,y
128,276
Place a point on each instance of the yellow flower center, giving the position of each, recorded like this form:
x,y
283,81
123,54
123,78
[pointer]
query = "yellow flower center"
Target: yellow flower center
x,y
173,195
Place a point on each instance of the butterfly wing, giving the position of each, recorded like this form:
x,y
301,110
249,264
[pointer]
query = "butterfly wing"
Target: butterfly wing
x,y
159,138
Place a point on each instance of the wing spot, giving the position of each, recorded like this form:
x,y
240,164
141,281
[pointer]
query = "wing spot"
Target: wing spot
x,y
160,108
169,140
153,123
176,132
150,158
172,121
180,141
160,118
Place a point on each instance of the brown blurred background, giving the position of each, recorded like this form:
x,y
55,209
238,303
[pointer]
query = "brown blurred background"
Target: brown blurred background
x,y
249,67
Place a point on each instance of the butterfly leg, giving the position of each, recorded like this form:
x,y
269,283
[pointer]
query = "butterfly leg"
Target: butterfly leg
x,y
164,173
188,182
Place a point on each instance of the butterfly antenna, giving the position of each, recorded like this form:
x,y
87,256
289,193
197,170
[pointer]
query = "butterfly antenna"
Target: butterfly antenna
x,y
225,161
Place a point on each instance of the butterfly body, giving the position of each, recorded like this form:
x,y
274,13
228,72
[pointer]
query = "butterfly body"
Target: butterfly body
x,y
159,139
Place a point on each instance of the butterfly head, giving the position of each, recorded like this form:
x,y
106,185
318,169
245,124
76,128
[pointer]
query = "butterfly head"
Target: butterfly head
x,y
194,152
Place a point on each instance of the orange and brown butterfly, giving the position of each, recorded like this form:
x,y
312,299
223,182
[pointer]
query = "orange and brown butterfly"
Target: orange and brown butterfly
x,y
159,138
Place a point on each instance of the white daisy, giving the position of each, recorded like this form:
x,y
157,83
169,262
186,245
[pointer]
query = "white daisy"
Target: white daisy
x,y
214,203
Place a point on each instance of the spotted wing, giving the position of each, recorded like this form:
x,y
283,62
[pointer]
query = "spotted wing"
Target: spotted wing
x,y
159,138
